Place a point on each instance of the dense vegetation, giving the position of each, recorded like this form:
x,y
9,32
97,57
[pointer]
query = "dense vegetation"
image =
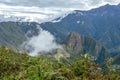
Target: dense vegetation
x,y
18,66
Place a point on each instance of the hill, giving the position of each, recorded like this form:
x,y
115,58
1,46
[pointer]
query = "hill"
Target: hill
x,y
13,34
18,66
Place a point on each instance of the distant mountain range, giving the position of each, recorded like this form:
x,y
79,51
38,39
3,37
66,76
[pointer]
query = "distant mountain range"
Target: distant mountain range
x,y
101,24
95,31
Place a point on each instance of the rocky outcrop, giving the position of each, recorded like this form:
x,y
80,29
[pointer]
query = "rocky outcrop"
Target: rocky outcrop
x,y
78,44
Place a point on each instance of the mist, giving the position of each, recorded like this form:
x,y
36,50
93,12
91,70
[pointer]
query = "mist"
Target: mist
x,y
44,42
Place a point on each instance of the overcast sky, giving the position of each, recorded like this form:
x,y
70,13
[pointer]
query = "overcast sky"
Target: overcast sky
x,y
44,9
59,3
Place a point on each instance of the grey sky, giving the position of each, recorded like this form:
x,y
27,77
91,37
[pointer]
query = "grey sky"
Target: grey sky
x,y
45,10
59,3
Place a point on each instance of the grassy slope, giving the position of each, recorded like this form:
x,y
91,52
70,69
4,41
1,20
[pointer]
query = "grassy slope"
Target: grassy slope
x,y
11,34
16,66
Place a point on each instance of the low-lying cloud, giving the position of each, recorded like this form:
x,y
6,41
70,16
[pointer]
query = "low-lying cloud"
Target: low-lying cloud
x,y
44,42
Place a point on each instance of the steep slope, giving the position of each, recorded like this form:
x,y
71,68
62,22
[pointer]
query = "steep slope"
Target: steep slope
x,y
13,34
78,44
102,24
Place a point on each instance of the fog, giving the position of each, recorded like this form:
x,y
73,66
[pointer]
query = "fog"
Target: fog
x,y
44,42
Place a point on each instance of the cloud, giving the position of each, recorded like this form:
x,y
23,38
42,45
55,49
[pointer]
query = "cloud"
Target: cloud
x,y
44,42
30,13
42,11
59,3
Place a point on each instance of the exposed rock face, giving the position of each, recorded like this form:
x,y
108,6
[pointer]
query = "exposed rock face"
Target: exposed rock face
x,y
74,42
80,44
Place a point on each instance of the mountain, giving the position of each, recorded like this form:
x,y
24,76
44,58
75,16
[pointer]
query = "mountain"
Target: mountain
x,y
13,34
97,25
101,24
78,44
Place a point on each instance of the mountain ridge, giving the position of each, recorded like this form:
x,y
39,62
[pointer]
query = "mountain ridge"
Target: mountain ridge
x,y
78,44
102,28
101,23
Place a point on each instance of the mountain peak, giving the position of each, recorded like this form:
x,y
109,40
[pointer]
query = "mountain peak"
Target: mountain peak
x,y
74,34
79,44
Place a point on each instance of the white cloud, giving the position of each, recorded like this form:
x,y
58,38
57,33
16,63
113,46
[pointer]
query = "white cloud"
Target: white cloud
x,y
44,42
41,11
59,3
33,13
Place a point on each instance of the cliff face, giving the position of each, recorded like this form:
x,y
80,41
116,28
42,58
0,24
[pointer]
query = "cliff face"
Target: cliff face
x,y
80,44
74,42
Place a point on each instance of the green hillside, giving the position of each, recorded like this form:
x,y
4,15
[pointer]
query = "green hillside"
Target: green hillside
x,y
18,66
13,34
